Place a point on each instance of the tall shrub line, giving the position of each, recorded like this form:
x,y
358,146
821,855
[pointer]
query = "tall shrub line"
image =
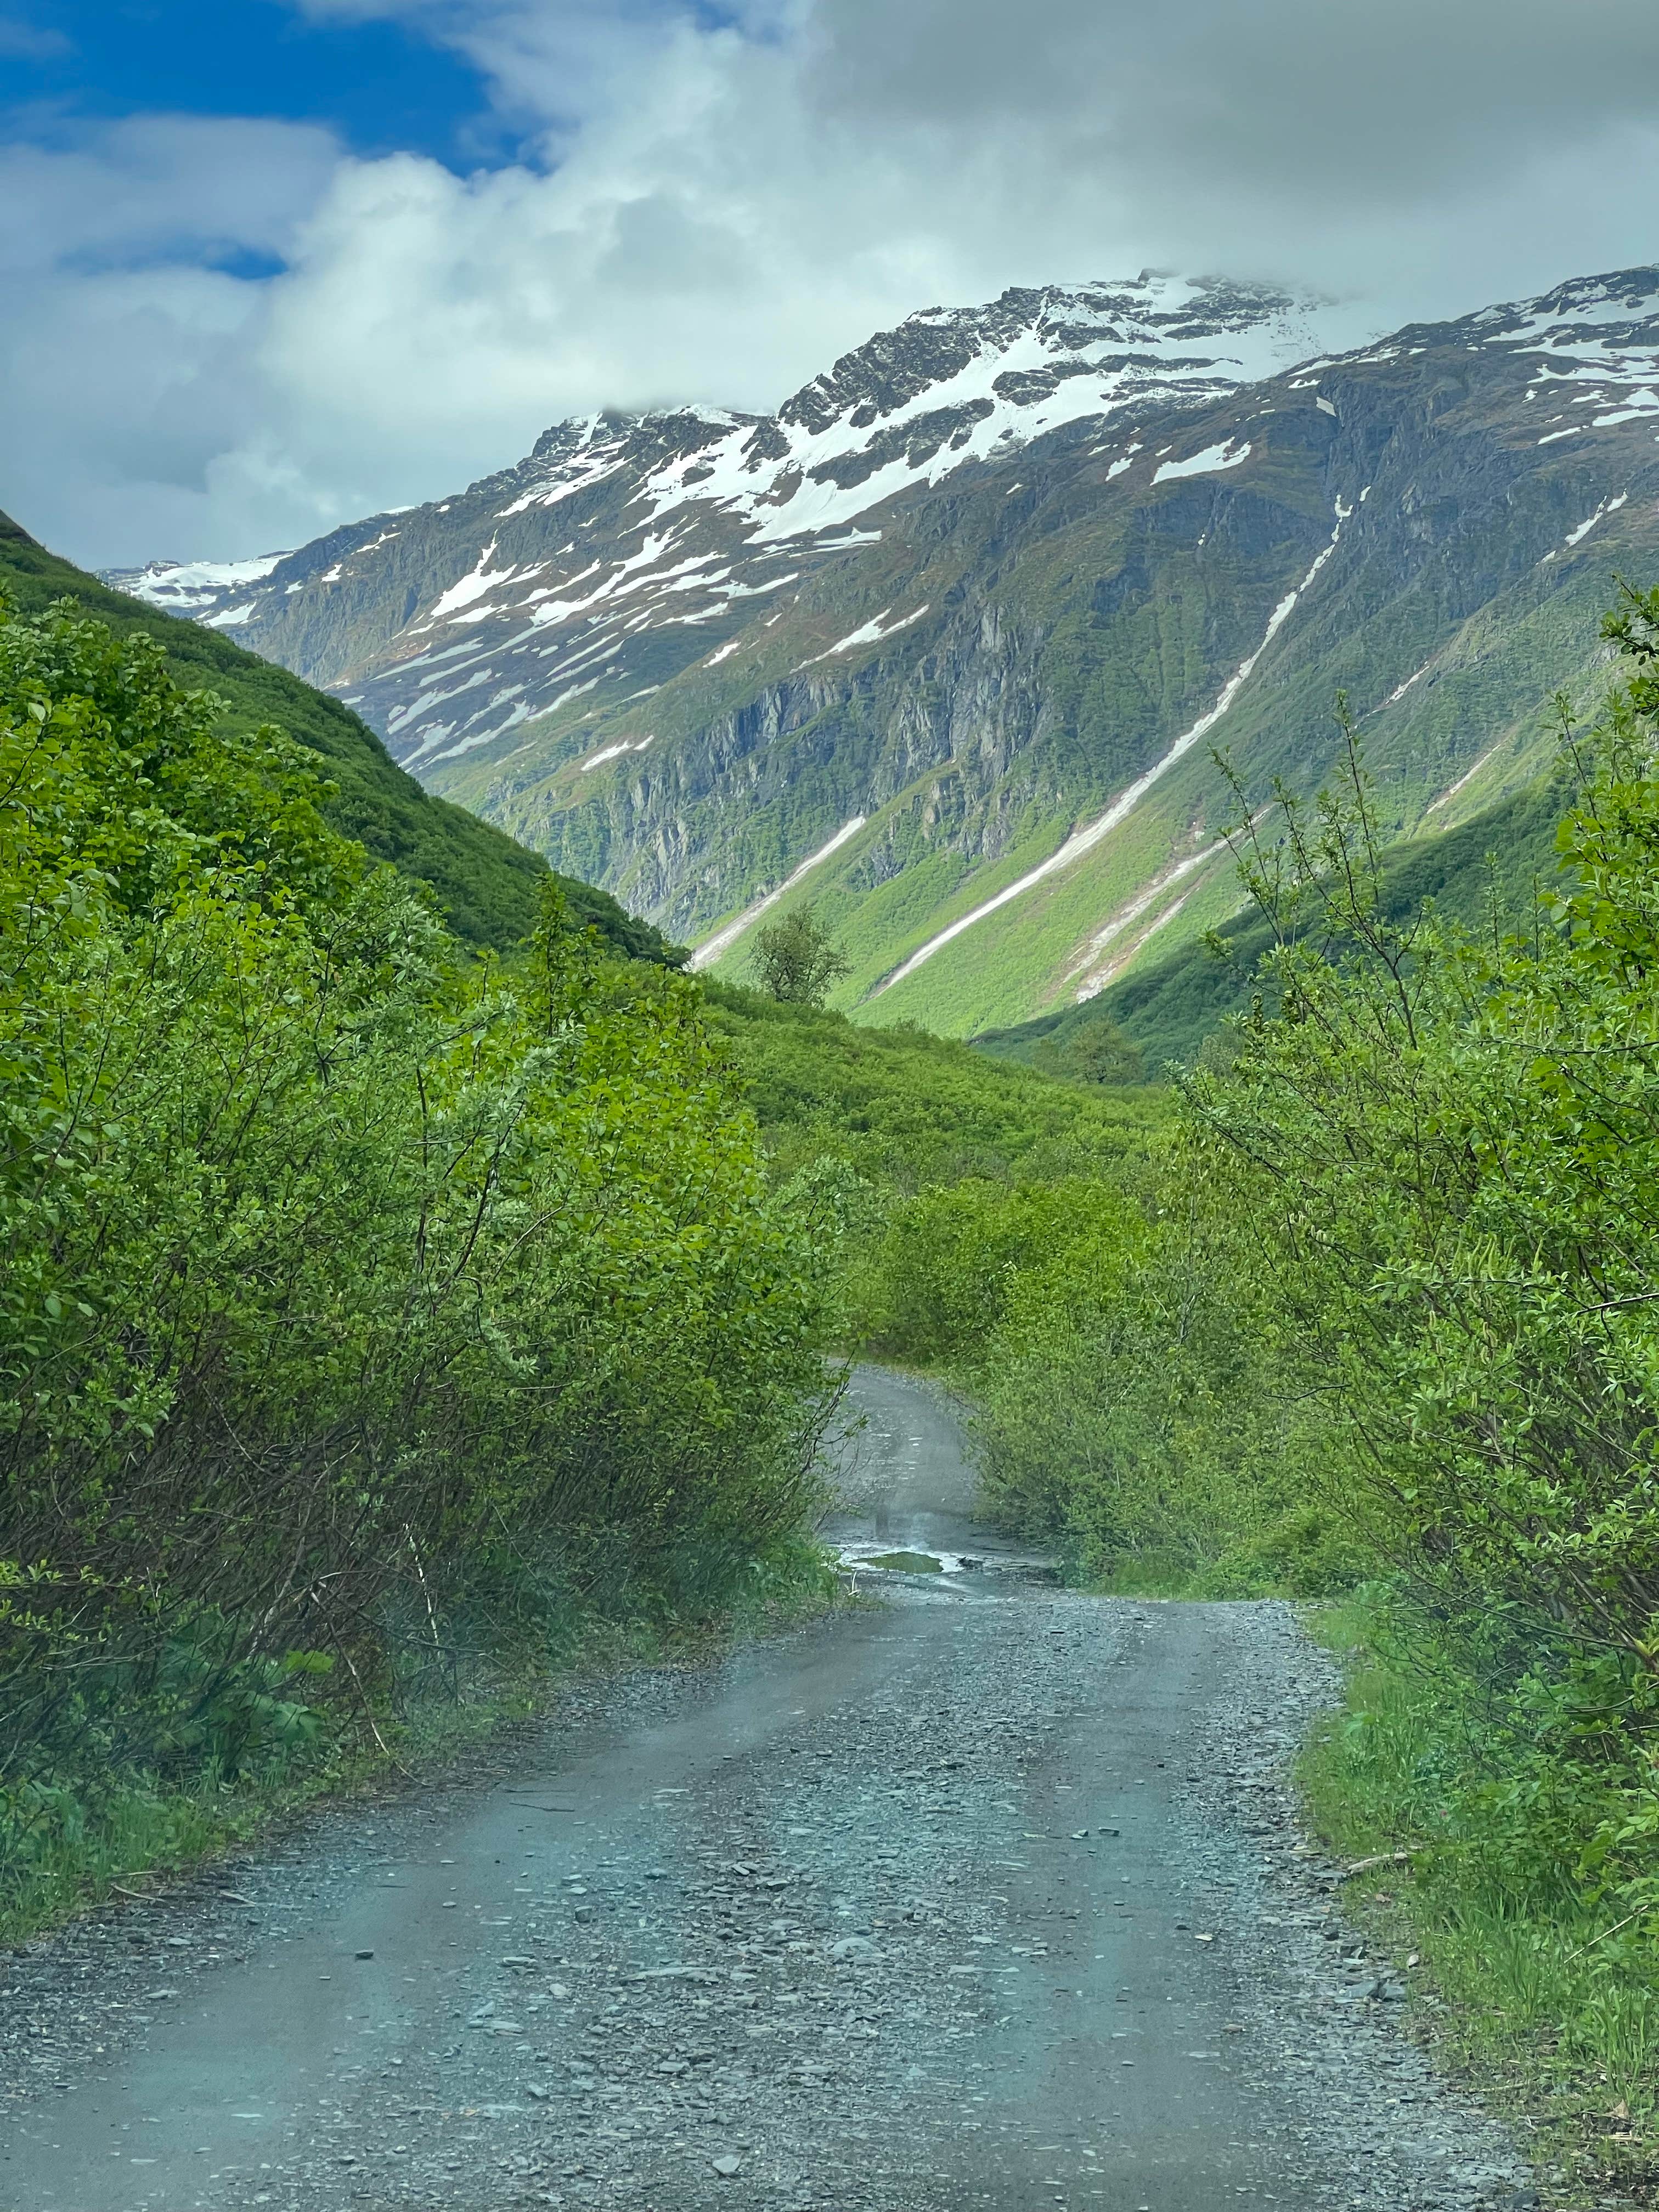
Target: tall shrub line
x,y
1396,1261
349,1287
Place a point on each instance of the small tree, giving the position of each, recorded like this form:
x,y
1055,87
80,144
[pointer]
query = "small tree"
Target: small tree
x,y
797,959
1098,1051
1101,1053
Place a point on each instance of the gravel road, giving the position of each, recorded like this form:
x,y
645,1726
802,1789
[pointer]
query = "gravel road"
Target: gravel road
x,y
988,1894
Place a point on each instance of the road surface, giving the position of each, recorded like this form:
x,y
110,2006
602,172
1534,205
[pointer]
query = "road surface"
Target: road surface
x,y
986,1894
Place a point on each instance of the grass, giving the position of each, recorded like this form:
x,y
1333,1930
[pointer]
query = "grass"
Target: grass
x,y
909,1108
1525,1978
69,1846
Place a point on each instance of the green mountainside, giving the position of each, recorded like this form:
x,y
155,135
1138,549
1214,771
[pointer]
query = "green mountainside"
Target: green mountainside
x,y
1490,866
484,883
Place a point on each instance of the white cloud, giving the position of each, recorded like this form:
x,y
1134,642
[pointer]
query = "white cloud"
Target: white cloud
x,y
127,376
29,42
712,207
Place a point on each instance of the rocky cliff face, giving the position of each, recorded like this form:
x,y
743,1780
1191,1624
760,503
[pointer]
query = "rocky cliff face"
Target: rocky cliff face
x,y
948,641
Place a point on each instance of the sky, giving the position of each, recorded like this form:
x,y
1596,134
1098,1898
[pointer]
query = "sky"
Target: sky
x,y
268,265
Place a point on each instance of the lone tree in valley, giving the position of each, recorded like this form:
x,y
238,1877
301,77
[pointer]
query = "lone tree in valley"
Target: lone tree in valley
x,y
797,959
1099,1051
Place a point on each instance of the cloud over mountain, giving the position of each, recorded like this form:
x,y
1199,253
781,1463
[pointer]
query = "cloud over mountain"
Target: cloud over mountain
x,y
231,332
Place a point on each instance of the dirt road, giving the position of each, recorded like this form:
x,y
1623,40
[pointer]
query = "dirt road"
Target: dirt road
x,y
988,1895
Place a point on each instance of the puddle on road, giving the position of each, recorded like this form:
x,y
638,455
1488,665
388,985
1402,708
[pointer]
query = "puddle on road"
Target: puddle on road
x,y
905,1560
902,1562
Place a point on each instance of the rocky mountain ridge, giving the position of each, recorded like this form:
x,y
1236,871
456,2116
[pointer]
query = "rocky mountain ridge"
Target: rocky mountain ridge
x,y
947,642
947,388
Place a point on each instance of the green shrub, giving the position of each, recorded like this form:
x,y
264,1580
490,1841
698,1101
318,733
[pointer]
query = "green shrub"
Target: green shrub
x,y
1526,1868
356,1295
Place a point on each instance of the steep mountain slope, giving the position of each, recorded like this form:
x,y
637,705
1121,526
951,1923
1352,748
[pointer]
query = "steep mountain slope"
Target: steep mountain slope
x,y
946,643
484,883
1170,1002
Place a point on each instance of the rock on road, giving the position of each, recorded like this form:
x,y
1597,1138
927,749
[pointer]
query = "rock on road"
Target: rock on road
x,y
987,1895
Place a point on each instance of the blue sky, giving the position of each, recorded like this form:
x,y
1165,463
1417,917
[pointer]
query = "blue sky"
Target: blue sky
x,y
380,85
272,265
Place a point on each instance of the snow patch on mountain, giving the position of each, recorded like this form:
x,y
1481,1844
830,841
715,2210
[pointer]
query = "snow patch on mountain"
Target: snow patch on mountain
x,y
1084,840
466,589
871,633
191,587
1607,506
1100,971
1224,456
951,387
711,949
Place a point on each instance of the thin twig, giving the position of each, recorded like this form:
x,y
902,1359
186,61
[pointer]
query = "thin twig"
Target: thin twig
x,y
1605,1933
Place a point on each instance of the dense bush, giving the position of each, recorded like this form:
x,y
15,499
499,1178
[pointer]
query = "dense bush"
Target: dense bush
x,y
1126,1413
906,1109
1385,1311
1118,1353
1399,1261
351,1289
1447,1149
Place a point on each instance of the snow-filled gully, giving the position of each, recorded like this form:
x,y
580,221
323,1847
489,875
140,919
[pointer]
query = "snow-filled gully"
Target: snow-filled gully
x,y
711,949
1084,841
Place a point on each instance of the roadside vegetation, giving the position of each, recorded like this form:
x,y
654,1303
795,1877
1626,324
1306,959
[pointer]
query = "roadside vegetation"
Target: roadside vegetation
x,y
382,1319
1369,1314
375,1317
936,1165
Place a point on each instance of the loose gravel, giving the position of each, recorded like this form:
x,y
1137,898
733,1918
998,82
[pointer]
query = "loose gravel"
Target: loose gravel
x,y
987,1896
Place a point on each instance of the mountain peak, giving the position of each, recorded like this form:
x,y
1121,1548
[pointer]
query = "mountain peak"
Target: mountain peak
x,y
945,387
994,575
1153,329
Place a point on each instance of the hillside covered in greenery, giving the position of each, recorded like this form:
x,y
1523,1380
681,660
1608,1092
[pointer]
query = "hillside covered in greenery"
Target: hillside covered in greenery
x,y
485,886
1489,870
370,1315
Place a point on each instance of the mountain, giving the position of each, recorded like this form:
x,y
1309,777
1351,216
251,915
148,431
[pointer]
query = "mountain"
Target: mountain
x,y
672,523
947,642
1175,996
483,882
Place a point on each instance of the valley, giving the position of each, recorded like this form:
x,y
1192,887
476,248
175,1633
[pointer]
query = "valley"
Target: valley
x,y
829,1107
425,1366
947,646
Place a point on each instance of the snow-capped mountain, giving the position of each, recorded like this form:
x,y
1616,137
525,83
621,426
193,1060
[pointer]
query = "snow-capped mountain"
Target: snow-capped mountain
x,y
948,640
717,507
205,589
